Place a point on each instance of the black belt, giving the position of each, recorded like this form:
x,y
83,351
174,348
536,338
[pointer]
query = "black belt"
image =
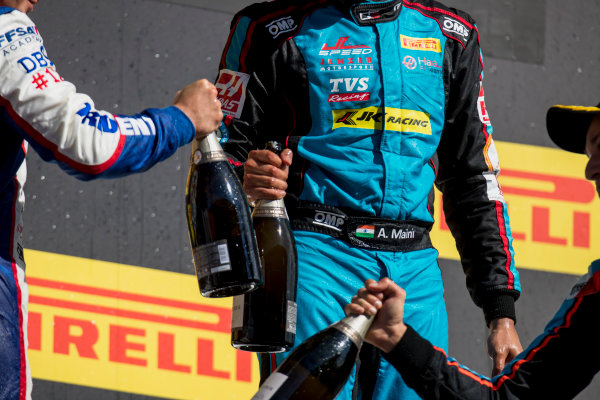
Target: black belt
x,y
361,231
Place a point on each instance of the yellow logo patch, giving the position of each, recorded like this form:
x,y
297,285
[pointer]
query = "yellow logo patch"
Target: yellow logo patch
x,y
423,44
395,119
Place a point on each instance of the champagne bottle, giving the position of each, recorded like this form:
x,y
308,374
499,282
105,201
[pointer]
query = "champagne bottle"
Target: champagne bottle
x,y
264,320
319,367
219,224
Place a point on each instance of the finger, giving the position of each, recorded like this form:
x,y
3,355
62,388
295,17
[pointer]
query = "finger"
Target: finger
x,y
498,366
252,181
264,193
370,298
353,309
267,170
265,157
369,308
286,156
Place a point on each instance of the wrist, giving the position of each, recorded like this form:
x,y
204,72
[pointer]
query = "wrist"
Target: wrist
x,y
394,335
501,323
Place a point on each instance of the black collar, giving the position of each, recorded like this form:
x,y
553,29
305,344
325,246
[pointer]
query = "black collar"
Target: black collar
x,y
367,13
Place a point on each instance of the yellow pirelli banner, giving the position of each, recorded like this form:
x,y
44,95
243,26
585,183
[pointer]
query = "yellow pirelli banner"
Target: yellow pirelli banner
x,y
150,332
132,329
554,212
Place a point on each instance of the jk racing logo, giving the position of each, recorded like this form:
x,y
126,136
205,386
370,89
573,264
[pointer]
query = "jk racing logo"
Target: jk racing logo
x,y
395,119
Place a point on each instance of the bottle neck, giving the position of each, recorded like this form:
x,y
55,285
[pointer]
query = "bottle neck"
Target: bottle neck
x,y
355,327
270,209
207,149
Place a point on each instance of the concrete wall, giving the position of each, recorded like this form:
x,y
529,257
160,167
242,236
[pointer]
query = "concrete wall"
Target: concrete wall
x,y
129,55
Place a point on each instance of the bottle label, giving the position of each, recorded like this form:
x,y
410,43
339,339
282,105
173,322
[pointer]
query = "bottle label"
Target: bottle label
x,y
237,312
200,158
271,212
211,258
270,386
292,313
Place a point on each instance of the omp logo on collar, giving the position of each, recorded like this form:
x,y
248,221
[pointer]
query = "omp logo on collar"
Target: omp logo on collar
x,y
395,119
425,44
12,34
281,25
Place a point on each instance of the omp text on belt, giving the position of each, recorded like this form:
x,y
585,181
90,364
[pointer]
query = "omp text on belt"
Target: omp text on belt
x,y
361,231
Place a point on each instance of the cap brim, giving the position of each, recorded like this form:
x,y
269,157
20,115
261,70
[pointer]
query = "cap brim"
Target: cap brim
x,y
568,126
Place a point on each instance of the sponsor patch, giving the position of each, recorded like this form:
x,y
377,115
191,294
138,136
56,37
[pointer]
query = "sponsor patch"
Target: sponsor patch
x,y
16,34
102,121
232,91
346,64
35,61
329,220
281,25
483,114
343,49
339,98
423,44
398,120
455,29
349,89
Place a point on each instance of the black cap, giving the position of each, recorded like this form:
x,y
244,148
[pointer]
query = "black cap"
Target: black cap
x,y
568,126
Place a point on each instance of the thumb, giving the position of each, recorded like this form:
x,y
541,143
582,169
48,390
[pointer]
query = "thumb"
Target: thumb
x,y
286,156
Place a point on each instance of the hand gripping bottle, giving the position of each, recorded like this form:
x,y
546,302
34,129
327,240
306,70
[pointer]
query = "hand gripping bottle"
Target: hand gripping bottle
x,y
264,320
319,367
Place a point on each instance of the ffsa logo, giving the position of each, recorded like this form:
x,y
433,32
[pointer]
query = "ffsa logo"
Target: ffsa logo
x,y
453,26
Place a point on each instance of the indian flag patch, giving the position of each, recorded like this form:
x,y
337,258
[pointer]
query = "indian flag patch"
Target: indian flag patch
x,y
366,231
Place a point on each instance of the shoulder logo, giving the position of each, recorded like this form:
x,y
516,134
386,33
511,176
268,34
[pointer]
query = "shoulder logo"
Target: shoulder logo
x,y
452,26
281,25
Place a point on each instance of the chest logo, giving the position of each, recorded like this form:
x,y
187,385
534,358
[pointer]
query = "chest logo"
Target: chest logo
x,y
422,44
395,119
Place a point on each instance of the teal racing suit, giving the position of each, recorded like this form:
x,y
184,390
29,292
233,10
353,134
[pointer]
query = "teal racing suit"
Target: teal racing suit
x,y
378,101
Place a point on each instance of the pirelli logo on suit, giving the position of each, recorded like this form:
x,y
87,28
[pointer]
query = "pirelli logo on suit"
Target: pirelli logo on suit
x,y
423,44
394,119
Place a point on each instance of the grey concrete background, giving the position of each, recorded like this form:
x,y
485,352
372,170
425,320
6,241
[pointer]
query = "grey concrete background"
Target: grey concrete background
x,y
133,54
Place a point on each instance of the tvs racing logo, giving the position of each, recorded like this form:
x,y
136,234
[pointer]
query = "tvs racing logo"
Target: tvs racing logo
x,y
395,119
343,49
355,89
424,44
232,91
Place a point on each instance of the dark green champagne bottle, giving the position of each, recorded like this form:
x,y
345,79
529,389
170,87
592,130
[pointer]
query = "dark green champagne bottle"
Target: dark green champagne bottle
x,y
264,320
319,367
219,224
